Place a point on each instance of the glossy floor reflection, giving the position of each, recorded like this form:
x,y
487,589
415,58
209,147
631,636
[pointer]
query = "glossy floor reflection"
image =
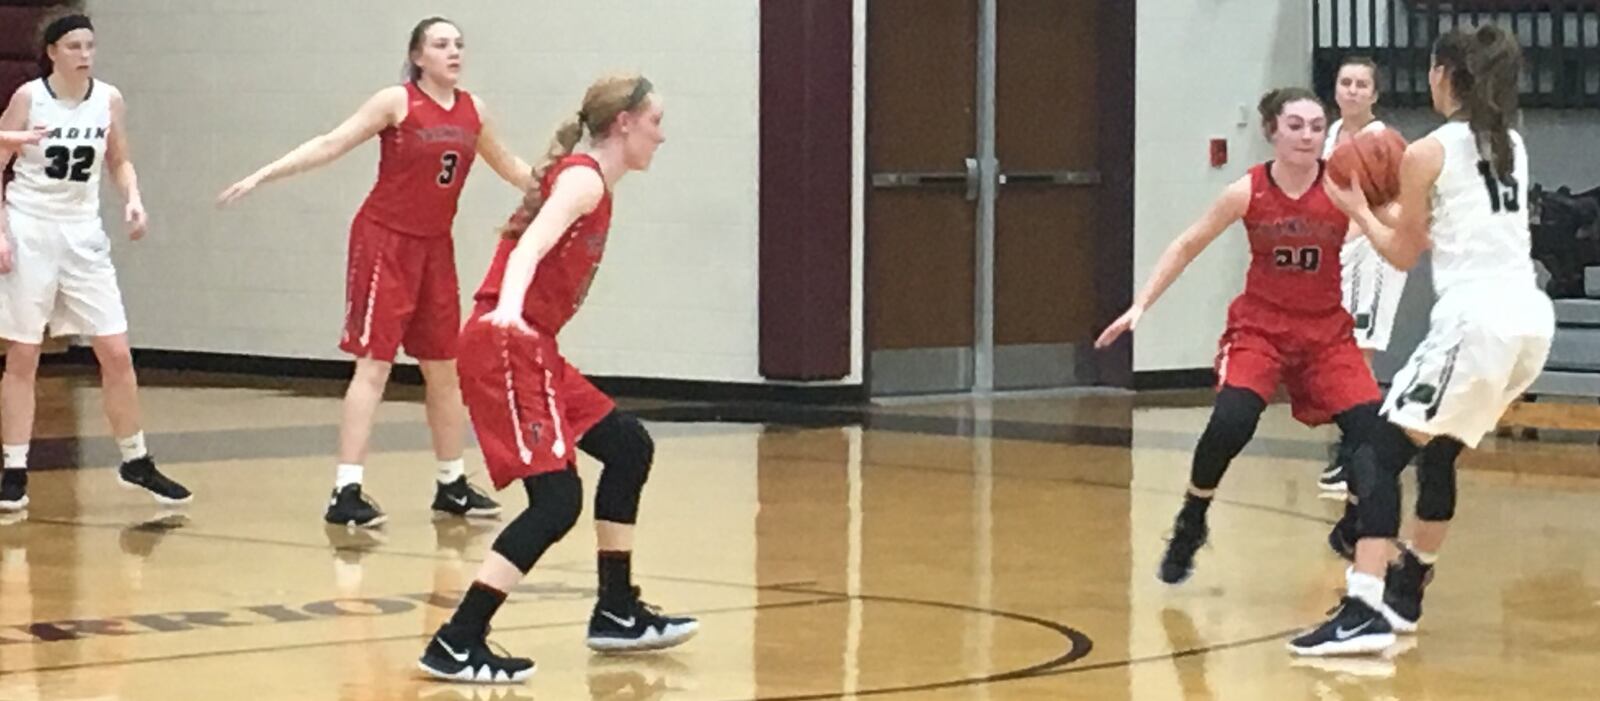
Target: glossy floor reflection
x,y
954,549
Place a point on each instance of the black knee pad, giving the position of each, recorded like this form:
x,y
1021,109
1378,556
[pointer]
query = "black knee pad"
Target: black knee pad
x,y
1376,468
1436,479
626,450
555,499
1356,423
1232,424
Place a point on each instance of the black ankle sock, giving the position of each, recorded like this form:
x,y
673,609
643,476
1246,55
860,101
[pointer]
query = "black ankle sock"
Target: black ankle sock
x,y
477,607
616,578
1194,507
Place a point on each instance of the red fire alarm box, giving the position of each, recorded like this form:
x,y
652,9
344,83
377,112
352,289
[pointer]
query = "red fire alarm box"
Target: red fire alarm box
x,y
1219,153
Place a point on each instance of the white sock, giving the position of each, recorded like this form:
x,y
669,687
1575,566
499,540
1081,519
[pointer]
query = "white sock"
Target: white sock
x,y
16,457
132,447
348,474
1426,558
452,470
1368,588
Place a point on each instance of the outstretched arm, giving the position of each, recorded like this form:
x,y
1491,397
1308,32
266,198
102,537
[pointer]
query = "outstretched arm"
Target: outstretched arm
x,y
1227,209
380,111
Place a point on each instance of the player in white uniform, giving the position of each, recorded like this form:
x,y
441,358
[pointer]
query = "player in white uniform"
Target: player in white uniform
x,y
55,258
1463,191
1371,285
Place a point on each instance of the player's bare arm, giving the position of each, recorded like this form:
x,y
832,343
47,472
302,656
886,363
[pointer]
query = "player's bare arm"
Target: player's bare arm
x,y
1227,210
384,109
577,191
120,162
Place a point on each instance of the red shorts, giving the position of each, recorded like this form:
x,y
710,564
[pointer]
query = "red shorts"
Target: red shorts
x,y
1313,355
529,406
400,289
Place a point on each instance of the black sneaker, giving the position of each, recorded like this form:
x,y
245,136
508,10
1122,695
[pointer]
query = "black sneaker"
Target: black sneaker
x,y
1334,481
471,661
1402,591
1342,538
1353,628
1188,534
462,499
350,507
13,490
142,473
636,627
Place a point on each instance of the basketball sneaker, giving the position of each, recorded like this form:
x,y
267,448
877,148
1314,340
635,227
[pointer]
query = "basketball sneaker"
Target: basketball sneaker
x,y
460,498
1352,628
13,490
636,627
1188,534
350,507
1402,591
450,657
1335,477
141,473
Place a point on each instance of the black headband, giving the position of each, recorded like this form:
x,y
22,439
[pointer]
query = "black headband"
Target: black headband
x,y
66,25
640,92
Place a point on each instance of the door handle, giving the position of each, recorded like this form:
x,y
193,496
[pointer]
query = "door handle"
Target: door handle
x,y
967,179
1068,178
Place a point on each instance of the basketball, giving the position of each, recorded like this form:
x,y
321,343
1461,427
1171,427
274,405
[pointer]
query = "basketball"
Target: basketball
x,y
1375,155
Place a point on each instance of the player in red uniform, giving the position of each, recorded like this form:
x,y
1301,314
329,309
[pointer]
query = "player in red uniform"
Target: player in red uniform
x,y
401,283
531,408
1289,327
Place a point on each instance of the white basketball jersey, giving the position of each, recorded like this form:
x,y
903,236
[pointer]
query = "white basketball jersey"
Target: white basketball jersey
x,y
1332,141
1480,224
59,178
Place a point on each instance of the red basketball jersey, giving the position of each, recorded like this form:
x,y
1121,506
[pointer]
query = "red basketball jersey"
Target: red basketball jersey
x,y
422,164
1294,245
561,279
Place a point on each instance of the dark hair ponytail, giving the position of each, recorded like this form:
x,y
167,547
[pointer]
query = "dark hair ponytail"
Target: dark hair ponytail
x,y
1483,66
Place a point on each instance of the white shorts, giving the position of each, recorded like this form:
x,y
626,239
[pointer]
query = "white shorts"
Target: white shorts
x,y
61,277
1482,351
1372,290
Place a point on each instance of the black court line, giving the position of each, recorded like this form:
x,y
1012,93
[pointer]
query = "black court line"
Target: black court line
x,y
1079,645
378,550
1082,482
1174,655
225,445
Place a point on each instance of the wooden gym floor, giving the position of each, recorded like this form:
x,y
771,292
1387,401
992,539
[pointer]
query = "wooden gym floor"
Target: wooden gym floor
x,y
931,549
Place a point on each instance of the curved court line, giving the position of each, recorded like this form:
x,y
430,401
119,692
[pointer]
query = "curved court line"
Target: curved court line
x,y
1080,643
382,639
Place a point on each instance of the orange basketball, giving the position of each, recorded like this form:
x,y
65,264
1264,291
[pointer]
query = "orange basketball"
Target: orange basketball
x,y
1375,157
